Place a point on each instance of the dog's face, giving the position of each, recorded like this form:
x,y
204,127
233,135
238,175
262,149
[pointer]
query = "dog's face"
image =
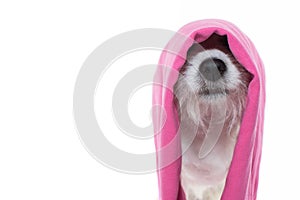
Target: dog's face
x,y
212,72
211,76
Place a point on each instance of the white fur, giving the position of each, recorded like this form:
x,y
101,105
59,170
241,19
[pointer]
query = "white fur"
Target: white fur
x,y
231,77
210,122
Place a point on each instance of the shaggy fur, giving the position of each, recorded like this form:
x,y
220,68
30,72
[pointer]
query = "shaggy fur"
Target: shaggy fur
x,y
210,115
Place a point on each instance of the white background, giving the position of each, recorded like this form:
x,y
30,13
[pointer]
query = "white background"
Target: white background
x,y
42,47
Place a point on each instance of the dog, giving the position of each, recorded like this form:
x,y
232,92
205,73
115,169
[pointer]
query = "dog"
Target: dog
x,y
210,96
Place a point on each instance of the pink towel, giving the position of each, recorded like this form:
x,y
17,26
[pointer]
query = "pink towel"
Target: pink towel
x,y
242,179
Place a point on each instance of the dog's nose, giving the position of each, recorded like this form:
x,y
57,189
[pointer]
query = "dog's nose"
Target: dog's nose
x,y
212,69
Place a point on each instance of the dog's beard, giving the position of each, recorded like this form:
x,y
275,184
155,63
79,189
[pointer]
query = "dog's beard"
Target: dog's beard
x,y
197,108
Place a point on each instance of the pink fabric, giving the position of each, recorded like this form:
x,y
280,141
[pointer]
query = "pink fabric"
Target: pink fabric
x,y
242,179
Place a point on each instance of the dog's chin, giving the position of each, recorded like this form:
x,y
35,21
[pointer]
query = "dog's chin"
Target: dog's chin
x,y
213,93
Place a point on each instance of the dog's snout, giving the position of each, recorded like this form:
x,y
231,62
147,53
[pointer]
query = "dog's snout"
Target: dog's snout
x,y
212,69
